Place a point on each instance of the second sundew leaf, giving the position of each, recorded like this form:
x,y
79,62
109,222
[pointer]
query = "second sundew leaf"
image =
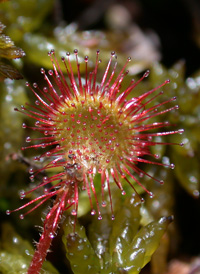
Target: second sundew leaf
x,y
79,251
99,235
36,47
144,245
125,227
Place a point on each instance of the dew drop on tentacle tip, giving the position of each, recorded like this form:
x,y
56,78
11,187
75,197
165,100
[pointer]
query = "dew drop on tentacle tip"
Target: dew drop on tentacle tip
x,y
36,158
93,212
42,70
123,192
103,204
146,74
167,81
28,139
45,179
172,166
46,191
35,85
141,174
32,178
180,131
21,216
22,194
156,156
142,200
8,212
161,182
50,72
31,170
73,212
151,195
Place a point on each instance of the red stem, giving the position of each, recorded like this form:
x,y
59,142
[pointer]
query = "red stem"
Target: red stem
x,y
50,226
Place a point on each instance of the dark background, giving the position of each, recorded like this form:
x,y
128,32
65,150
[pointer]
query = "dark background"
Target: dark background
x,y
176,22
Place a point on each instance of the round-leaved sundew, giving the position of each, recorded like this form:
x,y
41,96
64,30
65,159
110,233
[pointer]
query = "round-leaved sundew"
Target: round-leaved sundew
x,y
89,126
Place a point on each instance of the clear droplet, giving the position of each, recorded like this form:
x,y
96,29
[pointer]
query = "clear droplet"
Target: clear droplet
x,y
103,204
46,191
141,175
8,212
142,200
73,212
180,131
151,195
32,178
93,212
157,156
22,194
35,85
45,179
172,166
21,216
50,72
100,217
113,217
31,171
28,139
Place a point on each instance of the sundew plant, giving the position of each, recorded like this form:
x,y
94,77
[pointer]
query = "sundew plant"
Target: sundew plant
x,y
97,174
90,127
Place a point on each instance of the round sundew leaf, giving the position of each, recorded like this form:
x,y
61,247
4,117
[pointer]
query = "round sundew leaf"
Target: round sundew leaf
x,y
126,224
